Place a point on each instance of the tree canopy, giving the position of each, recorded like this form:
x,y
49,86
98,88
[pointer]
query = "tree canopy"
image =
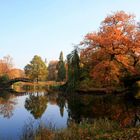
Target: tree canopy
x,y
73,64
6,64
37,69
61,68
113,51
52,70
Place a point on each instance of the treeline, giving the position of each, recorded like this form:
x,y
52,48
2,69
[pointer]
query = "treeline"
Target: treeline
x,y
107,56
101,60
37,69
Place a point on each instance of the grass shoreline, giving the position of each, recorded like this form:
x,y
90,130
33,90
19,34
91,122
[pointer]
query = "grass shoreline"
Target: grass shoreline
x,y
102,129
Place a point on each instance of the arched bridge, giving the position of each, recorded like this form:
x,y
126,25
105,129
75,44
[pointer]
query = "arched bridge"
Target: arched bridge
x,y
12,81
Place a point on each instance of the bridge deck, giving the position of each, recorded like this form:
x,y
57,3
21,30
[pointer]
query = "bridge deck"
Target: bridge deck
x,y
12,81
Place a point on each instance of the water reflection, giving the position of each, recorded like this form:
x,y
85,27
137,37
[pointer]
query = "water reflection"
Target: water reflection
x,y
36,104
20,107
56,109
61,102
125,112
7,103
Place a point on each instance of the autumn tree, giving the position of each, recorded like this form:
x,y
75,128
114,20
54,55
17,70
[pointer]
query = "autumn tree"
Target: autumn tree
x,y
37,69
15,73
114,51
61,68
6,64
52,70
9,61
4,69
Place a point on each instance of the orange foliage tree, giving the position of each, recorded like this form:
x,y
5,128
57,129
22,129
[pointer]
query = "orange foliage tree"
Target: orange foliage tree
x,y
15,73
52,70
114,51
7,69
6,63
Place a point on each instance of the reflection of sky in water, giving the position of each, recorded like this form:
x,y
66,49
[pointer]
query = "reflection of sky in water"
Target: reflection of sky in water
x,y
53,117
10,128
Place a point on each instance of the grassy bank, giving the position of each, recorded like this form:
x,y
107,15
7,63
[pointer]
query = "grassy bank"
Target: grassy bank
x,y
102,129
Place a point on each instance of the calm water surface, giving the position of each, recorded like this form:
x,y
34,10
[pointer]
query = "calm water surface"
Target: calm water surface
x,y
19,109
16,110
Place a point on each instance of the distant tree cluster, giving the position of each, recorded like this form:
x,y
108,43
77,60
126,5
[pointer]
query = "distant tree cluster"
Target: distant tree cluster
x,y
7,70
37,69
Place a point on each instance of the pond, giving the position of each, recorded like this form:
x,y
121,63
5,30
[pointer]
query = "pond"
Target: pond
x,y
18,109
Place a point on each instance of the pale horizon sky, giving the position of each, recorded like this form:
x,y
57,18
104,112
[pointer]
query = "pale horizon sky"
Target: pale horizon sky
x,y
47,27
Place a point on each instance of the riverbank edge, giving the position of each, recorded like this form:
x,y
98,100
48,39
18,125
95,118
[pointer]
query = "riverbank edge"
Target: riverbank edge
x,y
84,131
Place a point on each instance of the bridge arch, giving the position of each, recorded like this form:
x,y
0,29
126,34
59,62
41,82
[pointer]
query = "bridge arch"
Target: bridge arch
x,y
20,79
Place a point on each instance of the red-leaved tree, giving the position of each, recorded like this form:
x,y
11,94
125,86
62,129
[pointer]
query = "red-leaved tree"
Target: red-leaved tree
x,y
114,51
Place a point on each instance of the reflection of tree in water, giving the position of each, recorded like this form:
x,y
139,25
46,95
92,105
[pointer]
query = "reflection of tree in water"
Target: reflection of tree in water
x,y
52,98
74,108
7,103
61,103
125,112
36,105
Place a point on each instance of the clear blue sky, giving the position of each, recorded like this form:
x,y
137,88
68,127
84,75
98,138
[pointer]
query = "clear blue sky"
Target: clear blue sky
x,y
45,27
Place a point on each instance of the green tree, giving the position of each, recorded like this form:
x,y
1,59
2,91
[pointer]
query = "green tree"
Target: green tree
x,y
73,62
61,68
37,69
